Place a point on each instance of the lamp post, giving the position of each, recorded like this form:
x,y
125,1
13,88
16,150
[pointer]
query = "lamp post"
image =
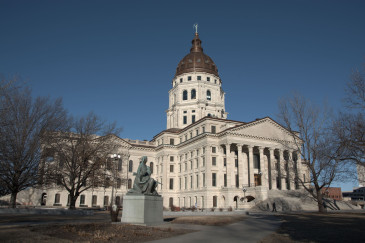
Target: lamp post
x,y
244,192
116,158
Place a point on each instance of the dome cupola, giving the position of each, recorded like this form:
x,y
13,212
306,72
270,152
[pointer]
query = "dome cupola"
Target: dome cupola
x,y
196,60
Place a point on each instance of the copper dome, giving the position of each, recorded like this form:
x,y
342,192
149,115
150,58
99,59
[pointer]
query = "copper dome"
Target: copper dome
x,y
196,60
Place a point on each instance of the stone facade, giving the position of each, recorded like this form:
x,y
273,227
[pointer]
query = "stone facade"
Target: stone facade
x,y
202,159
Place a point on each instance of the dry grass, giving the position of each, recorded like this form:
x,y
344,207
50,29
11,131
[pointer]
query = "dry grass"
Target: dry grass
x,y
209,220
315,227
97,232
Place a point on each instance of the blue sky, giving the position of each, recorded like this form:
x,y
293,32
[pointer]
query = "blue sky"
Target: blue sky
x,y
117,58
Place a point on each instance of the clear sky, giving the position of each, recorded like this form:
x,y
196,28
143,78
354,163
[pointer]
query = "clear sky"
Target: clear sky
x,y
118,58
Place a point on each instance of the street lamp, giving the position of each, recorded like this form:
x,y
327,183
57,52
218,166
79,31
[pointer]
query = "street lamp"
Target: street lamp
x,y
116,158
244,192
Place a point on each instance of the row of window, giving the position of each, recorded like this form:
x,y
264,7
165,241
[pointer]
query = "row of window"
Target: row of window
x,y
193,95
199,78
94,199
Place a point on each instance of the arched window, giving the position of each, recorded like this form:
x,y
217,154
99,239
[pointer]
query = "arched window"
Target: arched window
x,y
185,95
117,200
193,94
106,200
209,97
151,167
57,198
130,169
129,183
119,183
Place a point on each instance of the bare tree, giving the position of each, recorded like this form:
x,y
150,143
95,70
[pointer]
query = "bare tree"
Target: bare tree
x,y
23,121
80,151
309,129
349,127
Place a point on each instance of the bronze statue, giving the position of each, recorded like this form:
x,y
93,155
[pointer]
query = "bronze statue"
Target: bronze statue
x,y
143,183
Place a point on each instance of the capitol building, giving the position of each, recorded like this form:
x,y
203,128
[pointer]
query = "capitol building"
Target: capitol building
x,y
202,158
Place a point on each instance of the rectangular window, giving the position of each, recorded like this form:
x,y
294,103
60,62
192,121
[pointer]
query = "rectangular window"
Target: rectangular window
x,y
185,112
203,150
172,141
214,161
237,181
197,163
191,165
94,200
185,119
186,137
82,200
214,149
224,162
256,161
192,118
203,179
180,183
179,167
208,79
171,158
199,77
203,161
180,140
203,129
191,181
189,78
197,132
236,163
171,168
225,180
191,135
57,198
186,166
186,183
213,129
171,183
214,179
215,81
193,111
181,80
197,181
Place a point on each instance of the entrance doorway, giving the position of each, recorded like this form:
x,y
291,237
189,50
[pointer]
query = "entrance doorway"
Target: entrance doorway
x,y
257,179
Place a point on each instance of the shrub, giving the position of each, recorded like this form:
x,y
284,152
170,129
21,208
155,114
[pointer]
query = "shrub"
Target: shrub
x,y
221,209
175,209
212,209
193,209
230,209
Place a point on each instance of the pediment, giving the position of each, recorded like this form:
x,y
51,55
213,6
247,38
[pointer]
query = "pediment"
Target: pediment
x,y
121,142
265,129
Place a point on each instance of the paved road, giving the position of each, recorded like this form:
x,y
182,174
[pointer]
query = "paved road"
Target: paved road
x,y
251,229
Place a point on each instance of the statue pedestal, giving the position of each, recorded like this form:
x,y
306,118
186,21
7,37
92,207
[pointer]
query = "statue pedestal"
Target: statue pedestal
x,y
142,210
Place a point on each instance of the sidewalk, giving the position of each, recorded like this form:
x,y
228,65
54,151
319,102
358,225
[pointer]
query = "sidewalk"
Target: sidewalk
x,y
251,229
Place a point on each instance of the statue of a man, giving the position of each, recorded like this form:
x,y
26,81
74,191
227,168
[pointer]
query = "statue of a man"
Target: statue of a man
x,y
143,183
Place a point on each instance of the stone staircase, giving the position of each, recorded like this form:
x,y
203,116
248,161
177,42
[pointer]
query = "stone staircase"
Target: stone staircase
x,y
298,200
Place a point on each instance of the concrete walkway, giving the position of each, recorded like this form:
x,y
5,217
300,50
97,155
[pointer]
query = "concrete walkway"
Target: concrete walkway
x,y
251,229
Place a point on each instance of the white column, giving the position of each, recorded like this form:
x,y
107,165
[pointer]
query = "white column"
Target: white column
x,y
282,172
230,165
250,165
273,172
240,169
263,168
291,170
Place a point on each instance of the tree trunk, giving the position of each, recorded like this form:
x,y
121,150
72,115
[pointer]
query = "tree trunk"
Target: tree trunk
x,y
13,199
321,207
72,202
